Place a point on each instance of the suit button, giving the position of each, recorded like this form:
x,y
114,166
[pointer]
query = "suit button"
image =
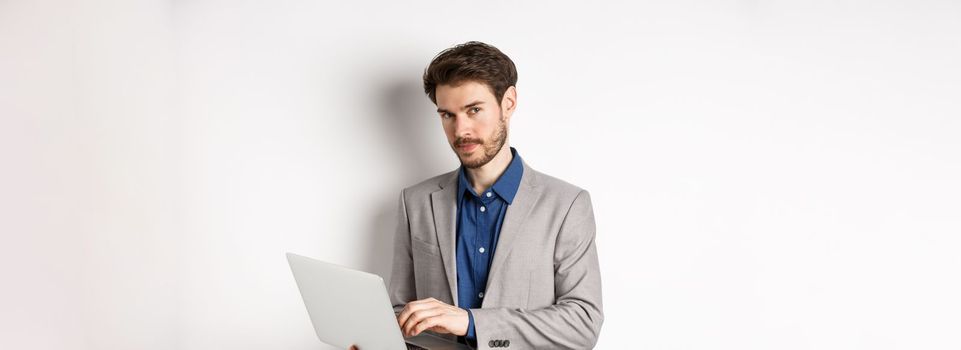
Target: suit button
x,y
490,343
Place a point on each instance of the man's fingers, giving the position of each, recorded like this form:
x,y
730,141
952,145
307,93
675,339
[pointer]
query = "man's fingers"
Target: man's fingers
x,y
418,317
409,309
404,314
426,324
422,302
415,306
431,314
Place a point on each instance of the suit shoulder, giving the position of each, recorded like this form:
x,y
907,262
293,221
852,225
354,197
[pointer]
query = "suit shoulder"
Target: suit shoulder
x,y
558,186
427,186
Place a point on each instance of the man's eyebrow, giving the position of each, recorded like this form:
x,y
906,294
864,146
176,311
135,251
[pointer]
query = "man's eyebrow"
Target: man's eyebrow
x,y
472,104
469,105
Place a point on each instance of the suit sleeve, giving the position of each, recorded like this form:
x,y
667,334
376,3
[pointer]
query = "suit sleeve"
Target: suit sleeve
x,y
574,321
401,286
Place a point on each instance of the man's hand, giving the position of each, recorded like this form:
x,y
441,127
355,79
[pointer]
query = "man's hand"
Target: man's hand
x,y
434,315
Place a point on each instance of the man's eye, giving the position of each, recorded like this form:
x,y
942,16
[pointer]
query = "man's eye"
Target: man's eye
x,y
475,109
445,115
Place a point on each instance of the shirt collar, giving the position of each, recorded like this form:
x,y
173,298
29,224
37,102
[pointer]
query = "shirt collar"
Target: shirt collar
x,y
505,186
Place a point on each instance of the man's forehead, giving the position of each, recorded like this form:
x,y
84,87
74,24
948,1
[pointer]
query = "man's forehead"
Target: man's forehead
x,y
460,94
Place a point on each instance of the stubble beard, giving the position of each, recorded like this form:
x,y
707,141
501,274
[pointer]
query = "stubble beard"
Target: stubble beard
x,y
490,148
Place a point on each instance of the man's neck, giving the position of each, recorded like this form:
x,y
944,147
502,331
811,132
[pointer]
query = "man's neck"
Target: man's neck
x,y
483,177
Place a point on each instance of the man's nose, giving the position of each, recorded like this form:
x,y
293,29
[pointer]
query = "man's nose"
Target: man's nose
x,y
463,126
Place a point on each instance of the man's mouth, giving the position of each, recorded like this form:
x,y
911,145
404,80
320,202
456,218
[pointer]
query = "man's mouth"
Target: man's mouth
x,y
466,147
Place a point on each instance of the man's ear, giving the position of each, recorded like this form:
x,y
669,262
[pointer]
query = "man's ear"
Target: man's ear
x,y
509,102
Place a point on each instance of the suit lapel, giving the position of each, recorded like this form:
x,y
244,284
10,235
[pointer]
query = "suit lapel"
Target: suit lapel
x,y
527,194
444,205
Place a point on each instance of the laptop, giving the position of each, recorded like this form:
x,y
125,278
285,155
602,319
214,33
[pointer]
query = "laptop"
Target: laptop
x,y
349,307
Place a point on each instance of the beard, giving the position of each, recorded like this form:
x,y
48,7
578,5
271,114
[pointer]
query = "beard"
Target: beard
x,y
490,147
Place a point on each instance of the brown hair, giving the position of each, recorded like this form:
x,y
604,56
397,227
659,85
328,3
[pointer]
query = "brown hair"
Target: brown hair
x,y
470,61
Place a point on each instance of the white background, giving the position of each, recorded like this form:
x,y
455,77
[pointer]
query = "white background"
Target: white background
x,y
765,174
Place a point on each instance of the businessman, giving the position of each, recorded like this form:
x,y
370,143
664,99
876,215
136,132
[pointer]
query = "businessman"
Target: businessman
x,y
494,254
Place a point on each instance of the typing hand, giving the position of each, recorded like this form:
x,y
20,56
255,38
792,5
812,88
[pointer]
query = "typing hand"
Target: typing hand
x,y
434,315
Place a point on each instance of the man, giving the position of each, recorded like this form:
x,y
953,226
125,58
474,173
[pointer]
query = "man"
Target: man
x,y
495,253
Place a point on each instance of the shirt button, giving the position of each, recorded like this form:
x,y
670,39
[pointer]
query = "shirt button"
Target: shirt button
x,y
481,250
481,295
489,194
483,209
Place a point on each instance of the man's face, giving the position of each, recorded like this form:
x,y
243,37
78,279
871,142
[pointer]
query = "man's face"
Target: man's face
x,y
475,124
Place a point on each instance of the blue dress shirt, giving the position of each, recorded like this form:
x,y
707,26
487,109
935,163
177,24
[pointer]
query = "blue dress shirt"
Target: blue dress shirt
x,y
479,219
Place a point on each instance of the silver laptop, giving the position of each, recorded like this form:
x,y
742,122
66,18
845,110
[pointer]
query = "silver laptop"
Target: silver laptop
x,y
350,307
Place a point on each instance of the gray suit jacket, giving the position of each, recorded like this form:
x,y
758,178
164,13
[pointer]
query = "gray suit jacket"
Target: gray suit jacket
x,y
544,286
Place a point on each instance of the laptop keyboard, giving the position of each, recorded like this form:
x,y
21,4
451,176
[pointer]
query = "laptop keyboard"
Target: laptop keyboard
x,y
414,347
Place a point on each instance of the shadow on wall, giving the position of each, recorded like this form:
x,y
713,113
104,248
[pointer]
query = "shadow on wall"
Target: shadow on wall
x,y
407,128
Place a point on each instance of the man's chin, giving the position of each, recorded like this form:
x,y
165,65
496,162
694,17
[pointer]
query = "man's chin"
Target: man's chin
x,y
472,160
